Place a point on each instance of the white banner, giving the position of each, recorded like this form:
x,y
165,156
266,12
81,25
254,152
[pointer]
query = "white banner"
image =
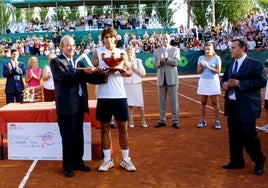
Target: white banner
x,y
41,141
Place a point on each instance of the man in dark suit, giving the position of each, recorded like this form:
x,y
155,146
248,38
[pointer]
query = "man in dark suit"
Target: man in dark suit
x,y
14,71
71,104
242,83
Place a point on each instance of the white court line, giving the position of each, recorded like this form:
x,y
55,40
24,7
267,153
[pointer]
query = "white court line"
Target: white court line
x,y
189,98
26,177
179,76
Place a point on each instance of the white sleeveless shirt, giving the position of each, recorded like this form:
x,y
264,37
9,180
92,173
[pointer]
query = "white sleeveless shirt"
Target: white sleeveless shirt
x,y
49,84
114,88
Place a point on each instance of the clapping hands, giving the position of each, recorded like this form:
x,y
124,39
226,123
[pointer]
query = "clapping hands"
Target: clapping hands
x,y
204,64
164,56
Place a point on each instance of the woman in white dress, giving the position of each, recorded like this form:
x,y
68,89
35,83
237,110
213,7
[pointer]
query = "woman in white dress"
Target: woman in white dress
x,y
48,85
133,87
209,66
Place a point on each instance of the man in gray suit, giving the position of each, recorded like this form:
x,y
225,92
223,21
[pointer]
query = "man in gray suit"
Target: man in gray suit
x,y
166,60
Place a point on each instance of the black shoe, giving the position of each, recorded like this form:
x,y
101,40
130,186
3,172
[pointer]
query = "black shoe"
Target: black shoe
x,y
83,168
113,126
232,166
68,172
160,124
258,169
176,125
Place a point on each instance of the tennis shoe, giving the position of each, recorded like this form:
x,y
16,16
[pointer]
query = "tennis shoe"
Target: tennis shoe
x,y
106,165
202,124
128,165
131,125
144,125
217,125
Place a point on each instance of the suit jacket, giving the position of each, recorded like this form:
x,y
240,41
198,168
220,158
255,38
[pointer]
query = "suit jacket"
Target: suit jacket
x,y
66,81
168,70
252,78
14,80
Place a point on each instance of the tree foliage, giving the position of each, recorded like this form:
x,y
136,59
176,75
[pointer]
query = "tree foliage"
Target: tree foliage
x,y
225,10
148,10
6,12
133,9
19,15
43,13
60,13
72,13
200,12
164,13
232,11
263,3
98,10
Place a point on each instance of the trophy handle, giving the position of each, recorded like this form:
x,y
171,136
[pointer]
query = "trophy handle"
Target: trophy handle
x,y
83,56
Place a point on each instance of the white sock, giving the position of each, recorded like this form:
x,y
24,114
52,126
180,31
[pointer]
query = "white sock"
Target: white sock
x,y
107,154
125,154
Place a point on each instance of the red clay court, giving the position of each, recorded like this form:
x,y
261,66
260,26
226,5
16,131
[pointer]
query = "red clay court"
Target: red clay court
x,y
164,157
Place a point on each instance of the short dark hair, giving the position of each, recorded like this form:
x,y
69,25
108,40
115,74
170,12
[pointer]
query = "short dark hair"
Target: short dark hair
x,y
13,50
242,43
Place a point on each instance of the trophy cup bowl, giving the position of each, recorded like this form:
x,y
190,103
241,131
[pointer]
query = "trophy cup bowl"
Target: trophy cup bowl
x,y
113,62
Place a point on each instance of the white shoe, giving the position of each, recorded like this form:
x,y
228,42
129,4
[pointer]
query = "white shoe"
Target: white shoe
x,y
128,165
106,165
217,125
202,124
144,125
131,125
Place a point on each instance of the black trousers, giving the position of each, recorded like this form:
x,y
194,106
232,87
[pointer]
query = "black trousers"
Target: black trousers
x,y
71,130
242,133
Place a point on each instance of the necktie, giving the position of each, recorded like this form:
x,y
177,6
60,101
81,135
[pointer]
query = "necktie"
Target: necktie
x,y
80,91
235,69
71,65
231,92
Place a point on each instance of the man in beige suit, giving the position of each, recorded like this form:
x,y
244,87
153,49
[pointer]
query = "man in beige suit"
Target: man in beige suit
x,y
166,60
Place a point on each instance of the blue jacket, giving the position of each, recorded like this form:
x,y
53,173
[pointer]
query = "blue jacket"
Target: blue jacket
x,y
252,78
14,80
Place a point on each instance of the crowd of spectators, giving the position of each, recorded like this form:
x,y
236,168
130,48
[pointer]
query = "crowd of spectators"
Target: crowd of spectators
x,y
91,22
253,27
